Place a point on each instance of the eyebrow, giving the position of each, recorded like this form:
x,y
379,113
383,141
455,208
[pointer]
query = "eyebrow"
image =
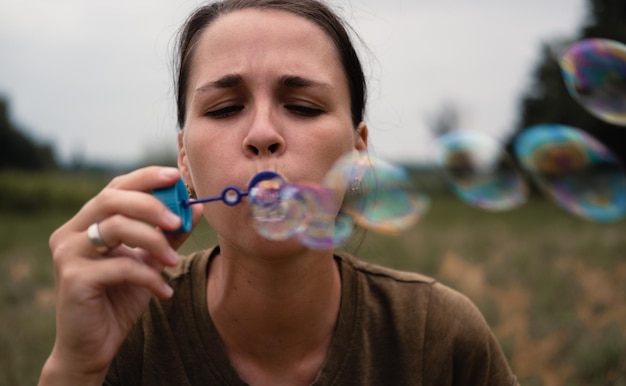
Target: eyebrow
x,y
226,81
289,81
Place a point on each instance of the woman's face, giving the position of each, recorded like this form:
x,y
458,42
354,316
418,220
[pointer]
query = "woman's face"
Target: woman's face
x,y
266,92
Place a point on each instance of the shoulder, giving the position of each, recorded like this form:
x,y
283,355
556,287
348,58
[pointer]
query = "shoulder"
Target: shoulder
x,y
435,323
390,302
419,296
443,303
459,341
455,316
384,274
458,338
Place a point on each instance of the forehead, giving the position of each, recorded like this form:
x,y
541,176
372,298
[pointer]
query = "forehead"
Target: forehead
x,y
267,20
265,38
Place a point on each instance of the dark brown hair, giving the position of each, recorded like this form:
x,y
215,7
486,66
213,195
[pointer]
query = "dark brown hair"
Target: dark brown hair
x,y
312,10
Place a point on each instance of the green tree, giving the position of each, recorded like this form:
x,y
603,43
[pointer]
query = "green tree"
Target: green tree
x,y
547,100
17,150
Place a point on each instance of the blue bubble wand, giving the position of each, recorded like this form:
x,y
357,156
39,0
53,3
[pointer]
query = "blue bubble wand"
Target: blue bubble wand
x,y
178,201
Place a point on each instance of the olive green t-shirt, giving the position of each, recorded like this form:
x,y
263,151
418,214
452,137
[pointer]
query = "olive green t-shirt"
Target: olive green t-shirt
x,y
394,328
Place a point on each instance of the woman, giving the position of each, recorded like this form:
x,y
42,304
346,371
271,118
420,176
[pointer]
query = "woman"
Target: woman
x,y
262,85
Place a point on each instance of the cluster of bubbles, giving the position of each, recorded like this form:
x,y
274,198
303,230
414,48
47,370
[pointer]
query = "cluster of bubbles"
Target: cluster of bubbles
x,y
579,173
571,167
359,190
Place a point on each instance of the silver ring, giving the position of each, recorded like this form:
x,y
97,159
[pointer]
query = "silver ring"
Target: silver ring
x,y
96,239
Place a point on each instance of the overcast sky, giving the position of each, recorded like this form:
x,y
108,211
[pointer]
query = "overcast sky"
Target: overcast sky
x,y
94,79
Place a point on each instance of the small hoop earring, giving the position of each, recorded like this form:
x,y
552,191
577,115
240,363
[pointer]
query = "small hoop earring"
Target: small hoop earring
x,y
190,191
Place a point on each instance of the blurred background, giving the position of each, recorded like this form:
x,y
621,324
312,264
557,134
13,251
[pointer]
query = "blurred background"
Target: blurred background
x,y
85,94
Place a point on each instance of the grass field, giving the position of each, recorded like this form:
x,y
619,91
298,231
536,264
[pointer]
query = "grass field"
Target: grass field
x,y
553,287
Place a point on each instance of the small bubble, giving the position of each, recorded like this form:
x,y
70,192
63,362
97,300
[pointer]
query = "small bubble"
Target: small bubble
x,y
575,170
376,194
481,173
594,71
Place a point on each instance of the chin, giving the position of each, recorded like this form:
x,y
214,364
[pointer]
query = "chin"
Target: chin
x,y
256,246
277,249
240,236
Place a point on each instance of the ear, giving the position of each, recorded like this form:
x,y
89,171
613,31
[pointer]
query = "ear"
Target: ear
x,y
183,162
360,137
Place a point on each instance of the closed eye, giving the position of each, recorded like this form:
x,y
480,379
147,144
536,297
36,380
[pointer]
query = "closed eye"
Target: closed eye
x,y
224,112
304,111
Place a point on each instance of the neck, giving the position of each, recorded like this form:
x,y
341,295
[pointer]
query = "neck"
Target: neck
x,y
275,315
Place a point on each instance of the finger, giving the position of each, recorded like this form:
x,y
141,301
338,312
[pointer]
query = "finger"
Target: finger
x,y
111,272
142,256
146,179
131,204
118,230
116,233
140,207
177,239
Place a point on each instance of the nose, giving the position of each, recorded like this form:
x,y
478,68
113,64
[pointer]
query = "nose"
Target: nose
x,y
263,137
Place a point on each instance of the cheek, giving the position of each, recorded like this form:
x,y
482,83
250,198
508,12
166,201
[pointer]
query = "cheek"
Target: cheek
x,y
226,219
208,159
323,150
335,143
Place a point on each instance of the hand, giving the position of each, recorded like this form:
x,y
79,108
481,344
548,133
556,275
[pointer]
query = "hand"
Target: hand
x,y
101,297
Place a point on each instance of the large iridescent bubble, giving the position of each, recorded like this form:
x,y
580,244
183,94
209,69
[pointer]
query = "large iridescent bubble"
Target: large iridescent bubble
x,y
594,71
375,194
575,170
480,171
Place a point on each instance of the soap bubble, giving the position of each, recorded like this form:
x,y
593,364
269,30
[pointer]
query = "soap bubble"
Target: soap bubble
x,y
481,172
575,170
375,194
594,71
323,228
282,210
278,214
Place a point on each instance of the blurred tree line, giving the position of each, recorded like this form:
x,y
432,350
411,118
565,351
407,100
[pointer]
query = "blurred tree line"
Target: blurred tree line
x,y
547,100
17,150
